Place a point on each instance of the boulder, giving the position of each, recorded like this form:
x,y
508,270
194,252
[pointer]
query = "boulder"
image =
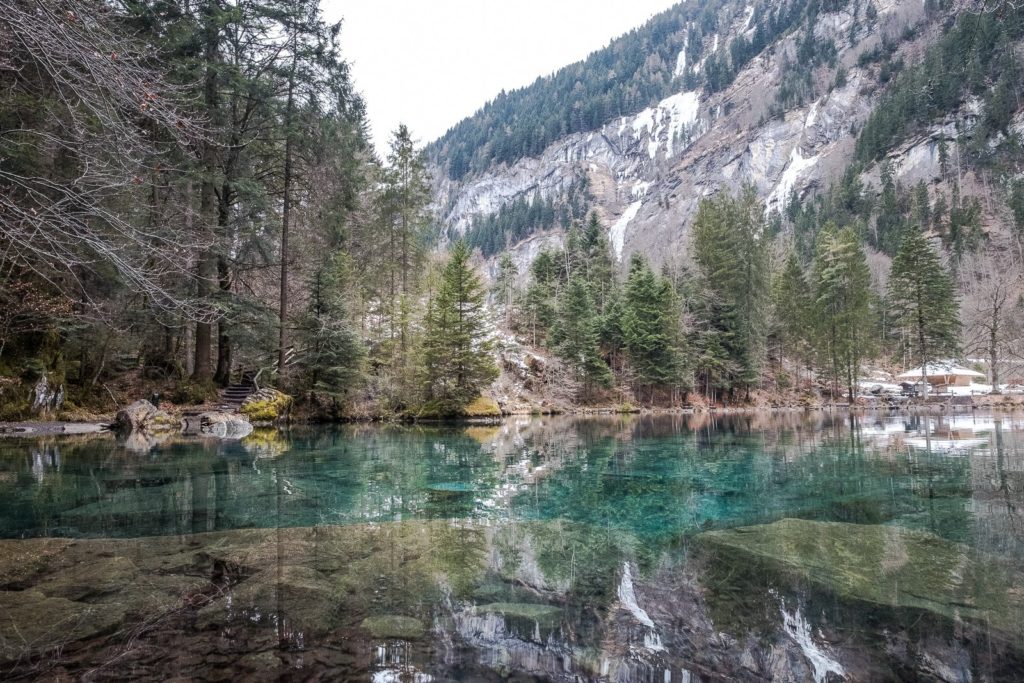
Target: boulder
x,y
300,595
143,416
266,405
33,625
45,397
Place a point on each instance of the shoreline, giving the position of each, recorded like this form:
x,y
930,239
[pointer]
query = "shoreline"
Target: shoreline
x,y
93,427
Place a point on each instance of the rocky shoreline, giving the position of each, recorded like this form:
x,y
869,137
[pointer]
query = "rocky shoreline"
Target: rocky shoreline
x,y
192,418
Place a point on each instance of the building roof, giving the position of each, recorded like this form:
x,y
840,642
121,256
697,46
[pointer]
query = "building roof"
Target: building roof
x,y
940,369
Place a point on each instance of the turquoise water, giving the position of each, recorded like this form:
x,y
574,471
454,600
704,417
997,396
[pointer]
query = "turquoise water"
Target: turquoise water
x,y
808,547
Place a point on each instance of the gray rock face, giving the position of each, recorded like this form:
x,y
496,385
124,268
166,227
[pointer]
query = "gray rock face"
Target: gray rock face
x,y
647,172
142,416
46,398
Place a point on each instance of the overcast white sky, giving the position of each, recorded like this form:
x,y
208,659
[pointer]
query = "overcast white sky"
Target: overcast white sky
x,y
430,63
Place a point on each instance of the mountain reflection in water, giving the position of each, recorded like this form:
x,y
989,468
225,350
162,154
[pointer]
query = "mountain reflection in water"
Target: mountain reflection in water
x,y
678,548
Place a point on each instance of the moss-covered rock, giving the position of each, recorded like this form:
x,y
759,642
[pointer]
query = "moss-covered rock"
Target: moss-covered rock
x,y
394,626
266,405
885,565
143,416
545,615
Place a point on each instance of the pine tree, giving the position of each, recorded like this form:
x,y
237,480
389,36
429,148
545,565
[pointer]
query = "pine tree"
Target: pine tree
x,y
650,328
923,300
403,213
730,250
541,295
842,304
792,308
505,284
576,336
457,360
332,354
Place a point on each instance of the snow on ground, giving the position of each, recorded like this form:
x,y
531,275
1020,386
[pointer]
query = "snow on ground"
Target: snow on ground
x,y
749,17
617,235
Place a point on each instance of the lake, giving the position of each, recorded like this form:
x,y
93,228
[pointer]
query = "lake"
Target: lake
x,y
798,547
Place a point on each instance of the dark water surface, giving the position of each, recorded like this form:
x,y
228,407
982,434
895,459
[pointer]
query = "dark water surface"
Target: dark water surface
x,y
687,548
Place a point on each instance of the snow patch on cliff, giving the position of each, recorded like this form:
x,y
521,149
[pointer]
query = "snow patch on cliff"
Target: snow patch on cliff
x,y
673,117
617,235
799,630
796,168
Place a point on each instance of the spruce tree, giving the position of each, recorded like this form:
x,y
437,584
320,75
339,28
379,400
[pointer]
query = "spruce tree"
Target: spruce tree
x,y
576,336
924,300
457,360
842,304
505,285
650,328
792,308
332,354
729,247
540,301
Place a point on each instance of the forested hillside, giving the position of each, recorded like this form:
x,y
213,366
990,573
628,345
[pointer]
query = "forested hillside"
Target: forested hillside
x,y
794,172
733,202
188,198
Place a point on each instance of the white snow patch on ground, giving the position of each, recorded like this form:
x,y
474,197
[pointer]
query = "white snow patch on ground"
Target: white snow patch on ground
x,y
680,63
750,17
617,234
640,189
797,165
799,630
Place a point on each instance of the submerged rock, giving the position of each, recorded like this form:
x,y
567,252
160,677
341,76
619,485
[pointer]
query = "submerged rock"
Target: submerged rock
x,y
88,580
394,626
300,596
32,624
543,614
887,565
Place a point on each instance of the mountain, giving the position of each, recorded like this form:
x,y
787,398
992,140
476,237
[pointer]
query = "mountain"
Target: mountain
x,y
845,109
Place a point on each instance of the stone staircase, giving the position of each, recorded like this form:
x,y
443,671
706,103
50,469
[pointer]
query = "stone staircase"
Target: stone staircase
x,y
231,398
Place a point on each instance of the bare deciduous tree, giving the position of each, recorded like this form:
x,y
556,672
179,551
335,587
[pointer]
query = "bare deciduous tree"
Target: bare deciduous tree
x,y
72,177
992,300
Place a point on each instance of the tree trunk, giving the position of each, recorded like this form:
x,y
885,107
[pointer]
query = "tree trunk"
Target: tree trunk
x,y
286,210
207,265
223,374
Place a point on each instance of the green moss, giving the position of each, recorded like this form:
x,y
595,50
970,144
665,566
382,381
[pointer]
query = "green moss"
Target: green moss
x,y
394,626
885,565
483,407
545,615
267,409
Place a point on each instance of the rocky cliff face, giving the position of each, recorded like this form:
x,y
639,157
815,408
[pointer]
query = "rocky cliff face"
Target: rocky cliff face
x,y
648,172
